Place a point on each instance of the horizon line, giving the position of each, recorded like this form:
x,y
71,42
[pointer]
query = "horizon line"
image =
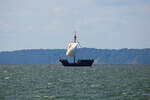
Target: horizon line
x,y
79,48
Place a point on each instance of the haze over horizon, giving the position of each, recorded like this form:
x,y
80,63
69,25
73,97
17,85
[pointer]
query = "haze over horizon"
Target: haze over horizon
x,y
49,24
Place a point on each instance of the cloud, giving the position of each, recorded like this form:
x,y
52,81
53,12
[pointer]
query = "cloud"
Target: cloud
x,y
50,26
59,9
4,27
85,2
29,28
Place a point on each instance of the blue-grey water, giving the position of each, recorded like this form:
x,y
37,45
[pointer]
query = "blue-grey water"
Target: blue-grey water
x,y
55,82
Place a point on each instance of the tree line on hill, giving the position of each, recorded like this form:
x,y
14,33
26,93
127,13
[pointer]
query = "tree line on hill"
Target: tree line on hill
x,y
100,56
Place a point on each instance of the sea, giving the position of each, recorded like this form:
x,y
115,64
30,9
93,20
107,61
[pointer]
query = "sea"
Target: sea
x,y
56,82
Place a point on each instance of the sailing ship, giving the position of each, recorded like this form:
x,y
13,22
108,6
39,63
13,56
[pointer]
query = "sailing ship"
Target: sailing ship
x,y
71,51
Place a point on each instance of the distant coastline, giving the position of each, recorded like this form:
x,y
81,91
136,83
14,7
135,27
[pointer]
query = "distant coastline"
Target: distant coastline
x,y
101,56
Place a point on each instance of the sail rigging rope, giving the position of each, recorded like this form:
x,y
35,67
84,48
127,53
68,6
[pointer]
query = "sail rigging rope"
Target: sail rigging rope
x,y
84,53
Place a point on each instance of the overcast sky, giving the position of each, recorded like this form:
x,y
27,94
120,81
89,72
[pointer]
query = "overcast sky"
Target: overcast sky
x,y
49,24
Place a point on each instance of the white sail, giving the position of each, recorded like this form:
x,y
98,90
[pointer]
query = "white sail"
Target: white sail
x,y
71,49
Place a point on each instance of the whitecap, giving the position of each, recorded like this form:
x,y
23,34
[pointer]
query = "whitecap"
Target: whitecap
x,y
6,78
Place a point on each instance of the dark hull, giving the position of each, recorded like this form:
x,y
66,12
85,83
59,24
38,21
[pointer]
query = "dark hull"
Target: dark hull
x,y
84,63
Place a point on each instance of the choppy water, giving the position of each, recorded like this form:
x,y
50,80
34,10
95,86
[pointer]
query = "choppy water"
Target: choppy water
x,y
54,82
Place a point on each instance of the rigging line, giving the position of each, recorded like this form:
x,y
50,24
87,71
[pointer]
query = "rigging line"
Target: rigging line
x,y
80,45
85,53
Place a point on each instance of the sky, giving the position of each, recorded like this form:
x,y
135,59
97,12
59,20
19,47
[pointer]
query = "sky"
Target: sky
x,y
50,24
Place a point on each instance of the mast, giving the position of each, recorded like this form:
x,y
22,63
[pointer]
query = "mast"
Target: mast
x,y
75,37
75,40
